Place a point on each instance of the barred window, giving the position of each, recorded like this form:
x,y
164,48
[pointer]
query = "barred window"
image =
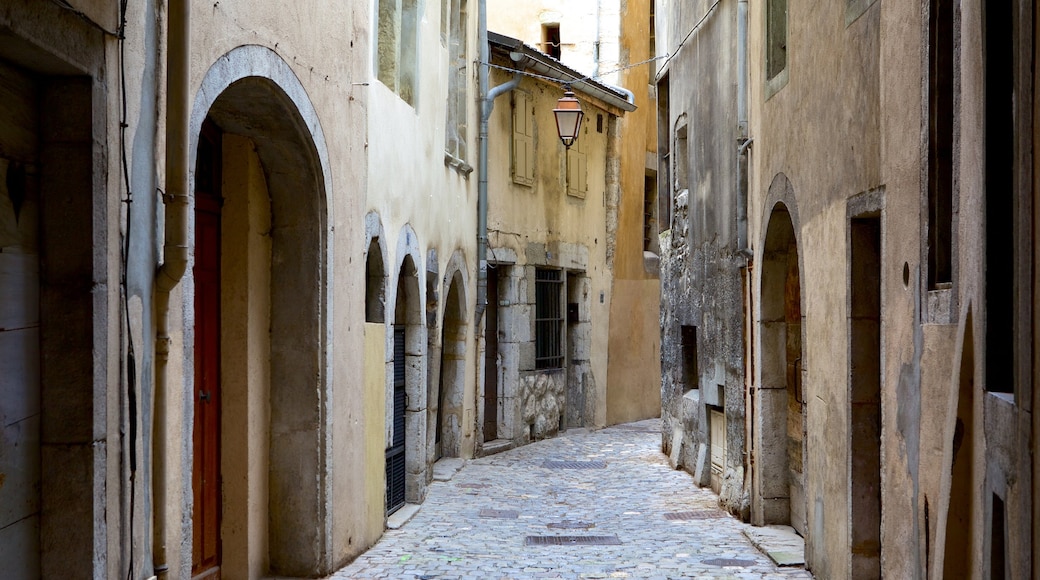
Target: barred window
x,y
548,319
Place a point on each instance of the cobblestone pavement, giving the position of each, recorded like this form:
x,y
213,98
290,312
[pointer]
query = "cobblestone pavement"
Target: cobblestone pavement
x,y
474,526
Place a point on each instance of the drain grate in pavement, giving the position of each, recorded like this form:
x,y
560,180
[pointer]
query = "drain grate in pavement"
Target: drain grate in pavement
x,y
695,515
473,485
728,562
637,428
499,514
572,541
567,525
574,465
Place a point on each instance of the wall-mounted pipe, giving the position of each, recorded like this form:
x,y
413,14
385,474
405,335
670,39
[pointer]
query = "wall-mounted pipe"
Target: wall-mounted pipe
x,y
487,104
175,255
742,131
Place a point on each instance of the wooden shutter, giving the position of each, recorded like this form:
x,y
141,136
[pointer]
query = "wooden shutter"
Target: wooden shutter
x,y
577,167
523,139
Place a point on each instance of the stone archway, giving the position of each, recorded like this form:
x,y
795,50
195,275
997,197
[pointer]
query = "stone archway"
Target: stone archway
x,y
780,431
446,407
272,314
406,465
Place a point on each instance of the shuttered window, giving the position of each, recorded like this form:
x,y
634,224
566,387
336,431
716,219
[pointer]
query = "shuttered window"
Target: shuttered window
x,y
548,319
523,139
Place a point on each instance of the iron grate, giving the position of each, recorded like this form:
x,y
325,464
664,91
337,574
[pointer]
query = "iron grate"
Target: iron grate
x,y
568,525
574,465
695,515
499,514
728,562
572,541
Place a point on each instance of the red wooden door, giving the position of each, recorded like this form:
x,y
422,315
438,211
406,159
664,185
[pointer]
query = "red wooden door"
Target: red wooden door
x,y
206,430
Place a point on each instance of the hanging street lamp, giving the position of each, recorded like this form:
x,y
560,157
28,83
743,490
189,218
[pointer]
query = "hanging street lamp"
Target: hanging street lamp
x,y
568,117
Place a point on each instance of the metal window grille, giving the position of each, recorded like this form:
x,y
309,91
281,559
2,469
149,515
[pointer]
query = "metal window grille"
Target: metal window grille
x,y
548,319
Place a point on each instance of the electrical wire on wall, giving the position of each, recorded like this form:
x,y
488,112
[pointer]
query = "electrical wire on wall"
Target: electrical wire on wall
x,y
131,363
576,80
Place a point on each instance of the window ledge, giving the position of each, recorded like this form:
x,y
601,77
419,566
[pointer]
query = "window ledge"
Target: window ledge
x,y
457,164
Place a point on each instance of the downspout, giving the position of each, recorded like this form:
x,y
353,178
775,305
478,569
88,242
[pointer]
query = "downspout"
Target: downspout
x,y
175,256
742,131
596,47
487,104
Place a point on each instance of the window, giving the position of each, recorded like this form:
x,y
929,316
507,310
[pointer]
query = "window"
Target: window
x,y
653,39
523,139
455,126
1008,79
551,39
577,165
940,144
664,160
681,159
396,47
649,209
548,319
690,374
776,40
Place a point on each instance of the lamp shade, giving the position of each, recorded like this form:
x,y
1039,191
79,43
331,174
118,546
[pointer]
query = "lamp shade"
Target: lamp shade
x,y
568,118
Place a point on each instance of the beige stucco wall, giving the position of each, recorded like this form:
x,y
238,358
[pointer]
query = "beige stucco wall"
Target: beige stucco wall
x,y
634,376
824,137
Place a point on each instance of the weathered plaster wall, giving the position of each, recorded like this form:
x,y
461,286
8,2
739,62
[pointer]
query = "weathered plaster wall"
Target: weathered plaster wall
x,y
701,283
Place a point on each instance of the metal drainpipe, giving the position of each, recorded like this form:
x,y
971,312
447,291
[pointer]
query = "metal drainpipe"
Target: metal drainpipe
x,y
487,104
175,255
742,130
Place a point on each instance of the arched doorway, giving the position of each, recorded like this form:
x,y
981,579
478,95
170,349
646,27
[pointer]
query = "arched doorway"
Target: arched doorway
x,y
781,401
447,415
259,323
957,556
405,453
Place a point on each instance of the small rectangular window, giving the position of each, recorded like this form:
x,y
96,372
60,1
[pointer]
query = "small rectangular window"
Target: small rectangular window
x,y
688,336
551,40
776,37
649,211
548,319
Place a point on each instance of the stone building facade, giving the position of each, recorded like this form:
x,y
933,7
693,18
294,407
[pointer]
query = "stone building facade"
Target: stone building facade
x,y
885,343
548,314
704,249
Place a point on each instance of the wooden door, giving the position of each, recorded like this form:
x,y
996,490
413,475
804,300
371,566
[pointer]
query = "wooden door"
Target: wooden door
x,y
206,429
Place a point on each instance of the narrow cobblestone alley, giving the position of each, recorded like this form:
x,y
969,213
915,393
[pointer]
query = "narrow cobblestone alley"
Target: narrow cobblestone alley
x,y
612,486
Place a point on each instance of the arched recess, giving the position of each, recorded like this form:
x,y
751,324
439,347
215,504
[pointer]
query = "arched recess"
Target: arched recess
x,y
956,555
406,463
376,273
273,314
447,397
780,405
